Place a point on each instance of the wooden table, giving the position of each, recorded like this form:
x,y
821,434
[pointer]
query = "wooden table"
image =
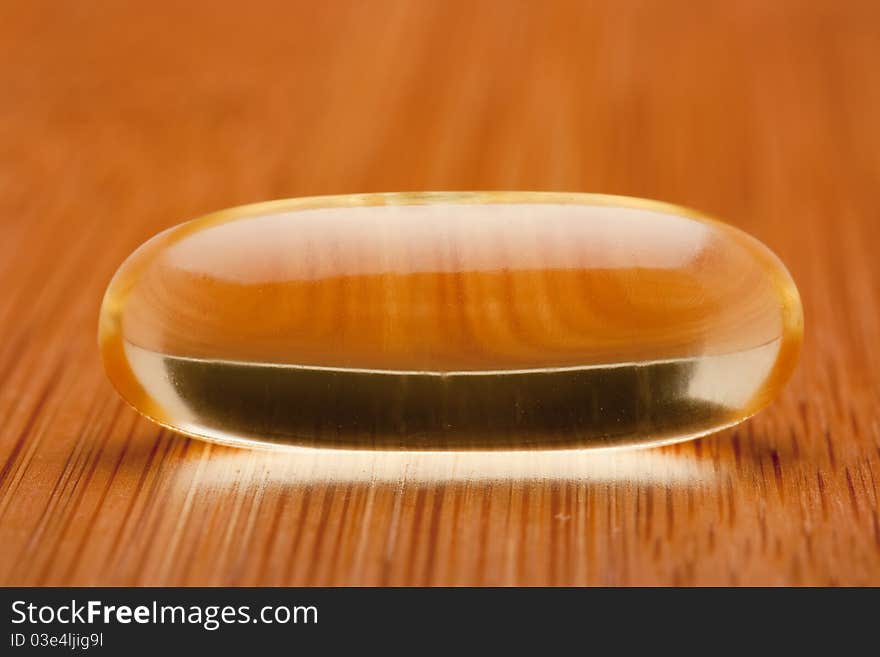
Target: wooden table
x,y
120,119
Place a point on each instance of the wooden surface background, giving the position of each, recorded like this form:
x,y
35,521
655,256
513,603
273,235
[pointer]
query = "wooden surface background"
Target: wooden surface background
x,y
120,119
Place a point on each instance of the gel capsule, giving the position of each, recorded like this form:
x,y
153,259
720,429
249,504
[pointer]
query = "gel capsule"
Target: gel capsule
x,y
451,321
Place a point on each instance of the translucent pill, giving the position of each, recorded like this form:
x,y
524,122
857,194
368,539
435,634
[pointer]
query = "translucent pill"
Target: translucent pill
x,y
451,321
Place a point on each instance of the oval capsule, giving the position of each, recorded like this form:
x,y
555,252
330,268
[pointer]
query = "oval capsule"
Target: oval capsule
x,y
451,321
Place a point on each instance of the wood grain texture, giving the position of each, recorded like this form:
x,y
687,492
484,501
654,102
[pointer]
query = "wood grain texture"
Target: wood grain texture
x,y
118,120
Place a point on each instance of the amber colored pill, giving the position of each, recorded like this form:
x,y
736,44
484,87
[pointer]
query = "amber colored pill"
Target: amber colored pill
x,y
451,321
